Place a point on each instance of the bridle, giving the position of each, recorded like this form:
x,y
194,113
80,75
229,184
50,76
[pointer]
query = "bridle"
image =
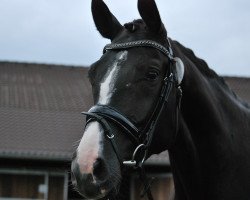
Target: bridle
x,y
142,138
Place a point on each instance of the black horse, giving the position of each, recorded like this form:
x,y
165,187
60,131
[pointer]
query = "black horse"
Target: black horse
x,y
137,87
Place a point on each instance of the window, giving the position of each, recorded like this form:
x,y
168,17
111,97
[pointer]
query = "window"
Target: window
x,y
35,185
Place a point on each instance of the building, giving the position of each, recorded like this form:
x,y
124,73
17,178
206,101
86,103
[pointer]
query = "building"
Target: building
x,y
41,124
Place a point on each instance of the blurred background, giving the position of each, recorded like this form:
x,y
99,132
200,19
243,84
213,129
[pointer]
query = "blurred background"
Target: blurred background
x,y
45,50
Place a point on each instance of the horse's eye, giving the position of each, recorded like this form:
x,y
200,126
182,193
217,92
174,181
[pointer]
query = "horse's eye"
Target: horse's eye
x,y
152,75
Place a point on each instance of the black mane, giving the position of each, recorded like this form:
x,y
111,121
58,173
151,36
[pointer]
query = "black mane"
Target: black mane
x,y
208,72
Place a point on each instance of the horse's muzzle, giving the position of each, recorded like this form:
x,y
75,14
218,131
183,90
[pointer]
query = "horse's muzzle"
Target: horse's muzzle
x,y
92,185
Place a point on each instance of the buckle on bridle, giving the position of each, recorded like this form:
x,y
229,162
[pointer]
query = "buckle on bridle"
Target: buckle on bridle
x,y
142,148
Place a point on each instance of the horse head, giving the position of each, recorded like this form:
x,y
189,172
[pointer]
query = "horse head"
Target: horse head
x,y
135,92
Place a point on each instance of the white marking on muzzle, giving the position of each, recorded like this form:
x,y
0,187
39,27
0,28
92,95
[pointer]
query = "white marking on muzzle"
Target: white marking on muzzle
x,y
87,151
90,144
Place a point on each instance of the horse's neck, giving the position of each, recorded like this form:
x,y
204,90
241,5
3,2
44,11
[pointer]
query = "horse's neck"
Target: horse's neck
x,y
203,153
185,166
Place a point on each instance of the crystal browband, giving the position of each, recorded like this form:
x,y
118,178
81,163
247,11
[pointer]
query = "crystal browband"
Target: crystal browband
x,y
140,43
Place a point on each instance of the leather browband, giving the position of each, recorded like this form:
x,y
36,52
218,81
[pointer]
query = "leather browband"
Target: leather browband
x,y
141,43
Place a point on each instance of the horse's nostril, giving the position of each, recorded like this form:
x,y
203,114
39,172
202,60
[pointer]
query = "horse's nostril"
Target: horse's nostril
x,y
100,169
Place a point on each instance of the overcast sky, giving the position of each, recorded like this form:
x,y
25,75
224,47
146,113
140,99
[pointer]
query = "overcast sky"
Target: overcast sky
x,y
63,32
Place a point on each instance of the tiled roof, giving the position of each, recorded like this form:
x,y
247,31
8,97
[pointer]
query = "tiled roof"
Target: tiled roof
x,y
40,108
241,87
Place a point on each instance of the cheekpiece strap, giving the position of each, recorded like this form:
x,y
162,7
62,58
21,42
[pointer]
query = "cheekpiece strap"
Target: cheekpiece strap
x,y
140,43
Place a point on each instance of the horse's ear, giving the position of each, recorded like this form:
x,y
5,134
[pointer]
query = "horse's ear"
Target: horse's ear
x,y
179,70
105,21
150,14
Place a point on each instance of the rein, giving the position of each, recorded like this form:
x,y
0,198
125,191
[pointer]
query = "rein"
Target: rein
x,y
105,114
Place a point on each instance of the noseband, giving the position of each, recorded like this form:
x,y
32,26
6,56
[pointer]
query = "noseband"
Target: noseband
x,y
142,138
